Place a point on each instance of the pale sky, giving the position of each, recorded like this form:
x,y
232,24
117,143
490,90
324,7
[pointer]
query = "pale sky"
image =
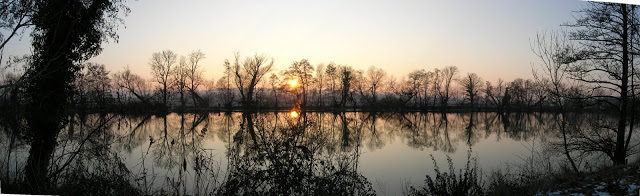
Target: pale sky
x,y
490,38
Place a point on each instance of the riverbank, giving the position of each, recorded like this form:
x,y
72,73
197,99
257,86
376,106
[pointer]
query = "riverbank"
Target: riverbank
x,y
611,180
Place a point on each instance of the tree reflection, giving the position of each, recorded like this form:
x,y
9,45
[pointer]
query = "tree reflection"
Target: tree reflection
x,y
270,153
287,158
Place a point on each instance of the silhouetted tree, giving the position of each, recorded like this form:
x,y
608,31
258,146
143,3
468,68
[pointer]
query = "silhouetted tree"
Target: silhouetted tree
x,y
247,74
436,82
608,34
495,94
301,70
161,69
94,82
179,76
472,85
274,81
66,32
320,79
404,90
346,76
332,75
418,79
445,77
131,83
374,80
15,16
550,48
194,76
225,83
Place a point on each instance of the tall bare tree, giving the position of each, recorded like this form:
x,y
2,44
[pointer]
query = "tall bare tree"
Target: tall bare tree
x,y
375,80
320,79
551,48
448,74
98,84
179,76
346,77
161,68
274,81
332,75
436,83
301,70
608,34
194,76
247,74
417,80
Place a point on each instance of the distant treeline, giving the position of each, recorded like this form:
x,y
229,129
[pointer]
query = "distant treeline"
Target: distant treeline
x,y
252,84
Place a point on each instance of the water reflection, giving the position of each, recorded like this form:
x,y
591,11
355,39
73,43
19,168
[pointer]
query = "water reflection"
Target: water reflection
x,y
265,153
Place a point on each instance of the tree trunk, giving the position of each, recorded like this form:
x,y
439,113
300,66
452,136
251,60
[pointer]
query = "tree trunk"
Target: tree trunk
x,y
620,153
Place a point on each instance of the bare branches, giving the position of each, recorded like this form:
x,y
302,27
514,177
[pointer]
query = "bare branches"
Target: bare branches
x,y
472,85
248,74
161,69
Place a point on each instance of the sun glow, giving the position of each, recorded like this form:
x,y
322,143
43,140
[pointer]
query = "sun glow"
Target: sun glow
x,y
294,114
293,83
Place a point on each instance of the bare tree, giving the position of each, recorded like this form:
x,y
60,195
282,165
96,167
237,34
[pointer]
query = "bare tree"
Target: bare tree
x,y
425,80
179,78
417,80
247,74
496,94
550,48
332,75
521,91
132,83
606,32
15,16
375,77
161,69
346,77
97,83
225,82
275,83
447,75
404,90
320,82
224,91
194,76
301,70
472,85
436,82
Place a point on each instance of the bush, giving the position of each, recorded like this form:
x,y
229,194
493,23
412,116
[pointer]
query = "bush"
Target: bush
x,y
468,182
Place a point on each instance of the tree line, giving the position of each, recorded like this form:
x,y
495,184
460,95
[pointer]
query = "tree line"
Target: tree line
x,y
252,83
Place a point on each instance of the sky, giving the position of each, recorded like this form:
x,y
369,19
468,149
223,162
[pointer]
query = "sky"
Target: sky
x,y
490,38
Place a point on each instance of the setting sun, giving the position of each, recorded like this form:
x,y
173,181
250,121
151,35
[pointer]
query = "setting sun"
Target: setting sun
x,y
294,114
293,83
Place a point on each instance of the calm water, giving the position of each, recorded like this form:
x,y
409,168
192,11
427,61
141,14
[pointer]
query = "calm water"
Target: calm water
x,y
200,153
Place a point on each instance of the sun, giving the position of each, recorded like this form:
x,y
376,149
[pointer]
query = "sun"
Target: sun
x,y
294,114
293,83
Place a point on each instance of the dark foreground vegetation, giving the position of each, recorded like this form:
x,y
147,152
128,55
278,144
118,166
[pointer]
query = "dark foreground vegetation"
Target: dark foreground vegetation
x,y
589,67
